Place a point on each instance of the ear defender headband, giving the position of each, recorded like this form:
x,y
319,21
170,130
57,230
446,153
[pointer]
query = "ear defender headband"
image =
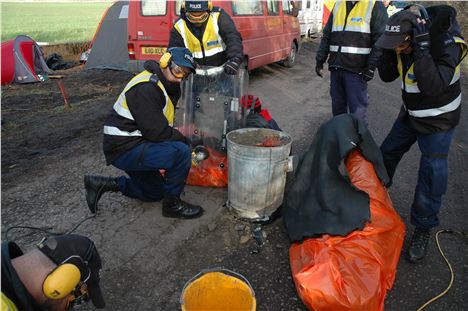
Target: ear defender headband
x,y
68,276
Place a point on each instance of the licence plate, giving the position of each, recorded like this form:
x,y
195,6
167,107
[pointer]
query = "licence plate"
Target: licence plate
x,y
151,50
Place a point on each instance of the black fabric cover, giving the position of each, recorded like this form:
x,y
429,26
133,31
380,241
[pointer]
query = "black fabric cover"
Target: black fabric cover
x,y
322,200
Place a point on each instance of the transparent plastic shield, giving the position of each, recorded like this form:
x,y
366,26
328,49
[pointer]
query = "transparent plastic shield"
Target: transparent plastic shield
x,y
209,107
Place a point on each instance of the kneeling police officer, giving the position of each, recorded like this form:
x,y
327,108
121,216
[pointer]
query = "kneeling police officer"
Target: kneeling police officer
x,y
139,139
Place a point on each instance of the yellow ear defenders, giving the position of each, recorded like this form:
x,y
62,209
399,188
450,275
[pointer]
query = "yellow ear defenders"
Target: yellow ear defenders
x,y
65,278
165,60
68,277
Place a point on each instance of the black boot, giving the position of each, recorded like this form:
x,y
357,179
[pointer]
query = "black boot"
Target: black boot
x,y
95,186
418,246
174,207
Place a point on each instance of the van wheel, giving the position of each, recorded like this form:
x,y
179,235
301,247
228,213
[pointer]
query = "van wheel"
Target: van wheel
x,y
291,59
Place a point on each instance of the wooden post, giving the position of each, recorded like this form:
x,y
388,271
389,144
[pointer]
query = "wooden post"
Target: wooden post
x,y
64,94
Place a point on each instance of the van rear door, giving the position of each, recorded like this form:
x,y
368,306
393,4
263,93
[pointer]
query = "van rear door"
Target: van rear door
x,y
150,23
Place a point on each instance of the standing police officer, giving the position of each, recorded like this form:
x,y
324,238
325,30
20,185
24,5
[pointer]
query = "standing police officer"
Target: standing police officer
x,y
348,38
426,55
210,34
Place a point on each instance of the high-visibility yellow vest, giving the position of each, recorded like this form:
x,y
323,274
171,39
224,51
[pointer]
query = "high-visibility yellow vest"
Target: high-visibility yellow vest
x,y
211,44
357,21
447,102
121,107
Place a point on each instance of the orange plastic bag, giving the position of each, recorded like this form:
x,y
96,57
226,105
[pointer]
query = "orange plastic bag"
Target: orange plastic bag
x,y
352,272
212,172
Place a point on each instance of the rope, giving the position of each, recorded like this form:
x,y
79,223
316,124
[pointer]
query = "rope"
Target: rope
x,y
452,274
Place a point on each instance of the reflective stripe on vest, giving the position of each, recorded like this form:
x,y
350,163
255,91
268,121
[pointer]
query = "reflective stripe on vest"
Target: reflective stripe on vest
x,y
424,113
409,84
212,41
121,106
112,130
7,304
350,49
358,19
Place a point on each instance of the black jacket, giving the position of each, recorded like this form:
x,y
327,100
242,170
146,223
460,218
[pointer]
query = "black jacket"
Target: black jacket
x,y
378,20
433,72
227,31
145,102
322,199
12,286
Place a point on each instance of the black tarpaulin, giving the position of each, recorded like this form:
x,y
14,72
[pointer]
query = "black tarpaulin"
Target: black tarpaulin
x,y
322,200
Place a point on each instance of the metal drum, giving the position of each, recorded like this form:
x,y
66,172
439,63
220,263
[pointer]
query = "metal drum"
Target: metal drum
x,y
258,160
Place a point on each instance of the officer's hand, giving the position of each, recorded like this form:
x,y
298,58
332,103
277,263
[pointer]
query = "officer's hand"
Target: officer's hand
x,y
368,74
421,39
231,67
319,70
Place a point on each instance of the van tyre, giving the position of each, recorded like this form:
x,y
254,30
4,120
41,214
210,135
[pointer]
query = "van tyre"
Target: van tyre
x,y
291,59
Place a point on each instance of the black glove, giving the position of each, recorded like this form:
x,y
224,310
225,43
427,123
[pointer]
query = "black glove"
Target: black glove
x,y
388,57
318,68
368,73
421,39
231,67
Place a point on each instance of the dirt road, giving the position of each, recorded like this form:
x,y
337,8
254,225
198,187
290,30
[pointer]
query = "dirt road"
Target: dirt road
x,y
47,149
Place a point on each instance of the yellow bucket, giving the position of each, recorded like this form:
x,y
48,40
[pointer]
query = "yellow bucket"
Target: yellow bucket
x,y
218,290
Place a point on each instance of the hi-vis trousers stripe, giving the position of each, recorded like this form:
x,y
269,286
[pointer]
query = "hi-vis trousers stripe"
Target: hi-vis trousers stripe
x,y
112,130
350,49
436,111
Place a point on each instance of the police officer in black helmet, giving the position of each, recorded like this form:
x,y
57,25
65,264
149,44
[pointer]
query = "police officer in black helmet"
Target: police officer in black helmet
x,y
210,34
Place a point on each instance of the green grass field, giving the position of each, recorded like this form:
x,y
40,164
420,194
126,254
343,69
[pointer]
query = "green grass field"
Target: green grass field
x,y
51,22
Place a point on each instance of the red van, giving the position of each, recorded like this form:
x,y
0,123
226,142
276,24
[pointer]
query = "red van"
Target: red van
x,y
268,28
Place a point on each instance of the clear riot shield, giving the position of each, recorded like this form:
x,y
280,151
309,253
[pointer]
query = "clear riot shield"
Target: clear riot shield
x,y
208,110
210,106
